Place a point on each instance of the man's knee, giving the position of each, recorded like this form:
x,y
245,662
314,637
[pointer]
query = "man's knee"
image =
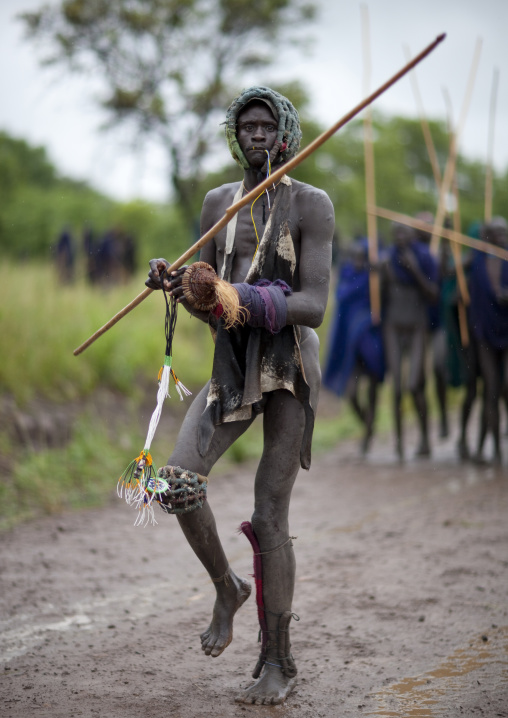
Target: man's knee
x,y
269,518
189,460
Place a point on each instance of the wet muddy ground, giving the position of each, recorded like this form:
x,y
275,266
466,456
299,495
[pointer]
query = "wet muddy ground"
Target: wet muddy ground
x,y
402,594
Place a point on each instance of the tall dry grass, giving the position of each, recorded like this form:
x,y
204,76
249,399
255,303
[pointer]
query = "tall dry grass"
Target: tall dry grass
x,y
42,321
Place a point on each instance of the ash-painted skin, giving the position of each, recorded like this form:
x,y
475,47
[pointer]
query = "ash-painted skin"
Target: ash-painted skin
x,y
405,330
312,225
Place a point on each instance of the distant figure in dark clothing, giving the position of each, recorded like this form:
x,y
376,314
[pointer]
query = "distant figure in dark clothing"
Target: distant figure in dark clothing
x,y
471,366
129,254
467,368
65,256
90,252
356,344
489,323
410,280
106,259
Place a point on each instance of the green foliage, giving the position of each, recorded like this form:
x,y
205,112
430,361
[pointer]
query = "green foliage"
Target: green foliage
x,y
21,164
166,65
38,203
159,230
45,322
78,475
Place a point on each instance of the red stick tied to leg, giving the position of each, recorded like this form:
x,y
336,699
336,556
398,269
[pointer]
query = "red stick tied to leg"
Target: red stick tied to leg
x,y
246,528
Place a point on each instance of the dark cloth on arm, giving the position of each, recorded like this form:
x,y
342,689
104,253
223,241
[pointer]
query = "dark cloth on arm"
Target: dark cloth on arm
x,y
266,303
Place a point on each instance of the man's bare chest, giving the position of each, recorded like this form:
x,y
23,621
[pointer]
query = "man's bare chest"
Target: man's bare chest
x,y
246,233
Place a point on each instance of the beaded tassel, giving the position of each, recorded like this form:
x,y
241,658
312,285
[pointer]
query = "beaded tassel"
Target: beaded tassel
x,y
139,483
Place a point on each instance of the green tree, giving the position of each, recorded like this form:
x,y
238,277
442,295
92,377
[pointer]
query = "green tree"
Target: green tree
x,y
168,66
21,163
37,201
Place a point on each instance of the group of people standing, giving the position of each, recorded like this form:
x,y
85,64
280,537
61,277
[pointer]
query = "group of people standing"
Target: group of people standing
x,y
421,332
108,258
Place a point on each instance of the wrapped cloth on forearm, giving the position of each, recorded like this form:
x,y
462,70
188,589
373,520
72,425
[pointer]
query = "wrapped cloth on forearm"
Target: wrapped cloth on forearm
x,y
266,303
262,304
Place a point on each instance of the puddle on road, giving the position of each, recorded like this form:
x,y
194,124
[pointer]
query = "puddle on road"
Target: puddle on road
x,y
431,694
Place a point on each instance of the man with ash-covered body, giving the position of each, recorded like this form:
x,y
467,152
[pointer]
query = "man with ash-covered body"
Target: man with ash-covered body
x,y
410,279
269,366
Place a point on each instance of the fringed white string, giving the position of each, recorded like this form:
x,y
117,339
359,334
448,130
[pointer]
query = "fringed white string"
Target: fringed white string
x,y
139,484
162,393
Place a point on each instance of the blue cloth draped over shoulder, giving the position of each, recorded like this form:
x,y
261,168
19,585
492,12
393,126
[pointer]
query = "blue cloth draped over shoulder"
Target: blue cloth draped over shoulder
x,y
489,319
426,262
353,337
428,267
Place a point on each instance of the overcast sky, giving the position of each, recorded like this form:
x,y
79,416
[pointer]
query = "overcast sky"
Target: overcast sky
x,y
61,114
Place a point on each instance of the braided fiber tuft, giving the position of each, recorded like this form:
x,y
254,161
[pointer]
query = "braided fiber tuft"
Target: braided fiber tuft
x,y
203,289
198,284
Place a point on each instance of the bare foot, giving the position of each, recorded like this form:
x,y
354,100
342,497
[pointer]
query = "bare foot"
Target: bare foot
x,y
271,688
231,593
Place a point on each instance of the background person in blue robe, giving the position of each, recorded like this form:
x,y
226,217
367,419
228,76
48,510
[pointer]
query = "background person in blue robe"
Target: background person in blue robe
x,y
410,281
488,286
356,345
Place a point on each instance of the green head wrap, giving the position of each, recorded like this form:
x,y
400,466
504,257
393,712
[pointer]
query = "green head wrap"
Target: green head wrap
x,y
288,131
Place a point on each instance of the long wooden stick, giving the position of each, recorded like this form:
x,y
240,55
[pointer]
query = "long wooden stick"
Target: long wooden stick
x,y
490,148
450,165
463,299
461,277
429,142
453,236
285,168
370,185
459,269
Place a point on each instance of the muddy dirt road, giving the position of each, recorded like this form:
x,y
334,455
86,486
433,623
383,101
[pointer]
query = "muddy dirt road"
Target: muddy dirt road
x,y
402,592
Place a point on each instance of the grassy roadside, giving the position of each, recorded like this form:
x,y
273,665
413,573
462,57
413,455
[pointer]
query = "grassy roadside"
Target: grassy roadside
x,y
83,473
43,322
